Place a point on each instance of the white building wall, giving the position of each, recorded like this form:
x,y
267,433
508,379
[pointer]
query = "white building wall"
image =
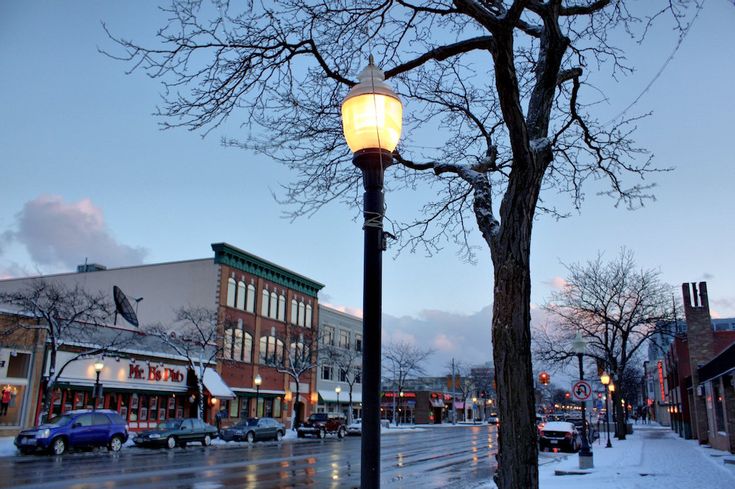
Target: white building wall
x,y
164,287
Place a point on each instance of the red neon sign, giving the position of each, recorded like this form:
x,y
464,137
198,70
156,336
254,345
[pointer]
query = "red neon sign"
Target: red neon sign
x,y
661,379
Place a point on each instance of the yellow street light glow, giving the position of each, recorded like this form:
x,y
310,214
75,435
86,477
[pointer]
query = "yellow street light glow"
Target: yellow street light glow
x,y
372,114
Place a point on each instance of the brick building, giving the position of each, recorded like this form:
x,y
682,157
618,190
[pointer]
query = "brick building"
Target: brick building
x,y
263,306
698,370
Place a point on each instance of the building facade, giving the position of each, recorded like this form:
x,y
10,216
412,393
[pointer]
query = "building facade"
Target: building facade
x,y
261,306
339,379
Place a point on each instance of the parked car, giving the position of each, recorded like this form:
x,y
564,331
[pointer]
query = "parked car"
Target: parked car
x,y
492,418
173,432
355,428
254,429
74,429
559,434
323,424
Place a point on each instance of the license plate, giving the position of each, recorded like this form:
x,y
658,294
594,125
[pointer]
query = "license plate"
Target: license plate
x,y
27,441
554,442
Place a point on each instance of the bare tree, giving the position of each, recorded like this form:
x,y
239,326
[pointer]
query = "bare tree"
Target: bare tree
x,y
402,360
301,354
464,382
197,336
502,80
348,362
615,307
68,318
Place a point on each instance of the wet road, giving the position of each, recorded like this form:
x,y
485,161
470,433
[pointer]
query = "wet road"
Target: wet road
x,y
432,458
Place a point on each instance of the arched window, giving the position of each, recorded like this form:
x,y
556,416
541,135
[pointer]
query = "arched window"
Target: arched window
x,y
227,344
301,313
250,307
264,305
240,295
299,355
263,349
231,286
294,311
247,347
281,308
273,313
237,348
279,352
308,315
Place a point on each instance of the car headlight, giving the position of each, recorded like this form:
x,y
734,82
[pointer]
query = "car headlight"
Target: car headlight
x,y
155,435
43,433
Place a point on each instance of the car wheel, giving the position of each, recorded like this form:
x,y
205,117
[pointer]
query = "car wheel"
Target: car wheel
x,y
279,435
341,433
58,446
116,444
170,442
206,441
250,437
322,433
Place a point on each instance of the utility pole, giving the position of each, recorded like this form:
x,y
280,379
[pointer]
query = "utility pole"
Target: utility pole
x,y
454,395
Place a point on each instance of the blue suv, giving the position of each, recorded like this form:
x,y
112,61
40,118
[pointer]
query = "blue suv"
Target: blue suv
x,y
81,428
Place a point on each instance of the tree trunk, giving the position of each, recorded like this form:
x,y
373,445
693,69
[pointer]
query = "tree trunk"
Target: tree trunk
x,y
295,407
200,398
511,331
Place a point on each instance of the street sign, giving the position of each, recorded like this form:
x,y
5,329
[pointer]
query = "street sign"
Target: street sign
x,y
581,390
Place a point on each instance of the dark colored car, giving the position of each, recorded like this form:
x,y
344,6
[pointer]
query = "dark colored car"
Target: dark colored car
x,y
323,424
559,434
75,429
175,432
254,429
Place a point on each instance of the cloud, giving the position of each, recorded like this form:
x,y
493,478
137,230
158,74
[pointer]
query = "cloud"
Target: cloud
x,y
707,276
354,311
13,270
557,283
464,337
58,233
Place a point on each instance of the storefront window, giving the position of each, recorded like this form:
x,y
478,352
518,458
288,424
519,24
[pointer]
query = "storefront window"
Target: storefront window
x,y
277,407
11,400
719,413
233,408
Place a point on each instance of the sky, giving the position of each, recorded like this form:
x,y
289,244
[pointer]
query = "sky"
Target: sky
x,y
88,174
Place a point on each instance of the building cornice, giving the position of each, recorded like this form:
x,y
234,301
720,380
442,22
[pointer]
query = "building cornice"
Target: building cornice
x,y
226,254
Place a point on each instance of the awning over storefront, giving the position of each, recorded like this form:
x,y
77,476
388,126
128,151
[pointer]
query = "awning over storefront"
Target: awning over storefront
x,y
437,403
328,395
216,386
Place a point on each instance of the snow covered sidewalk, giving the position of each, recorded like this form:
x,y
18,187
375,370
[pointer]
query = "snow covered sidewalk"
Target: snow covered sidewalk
x,y
653,457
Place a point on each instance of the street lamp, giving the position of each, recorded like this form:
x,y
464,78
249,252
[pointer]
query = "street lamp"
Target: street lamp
x,y
474,408
371,120
605,379
585,453
338,389
98,366
258,381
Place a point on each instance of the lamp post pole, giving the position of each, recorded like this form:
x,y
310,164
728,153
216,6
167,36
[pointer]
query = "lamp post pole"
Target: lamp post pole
x,y
258,381
585,453
372,119
98,366
605,380
338,389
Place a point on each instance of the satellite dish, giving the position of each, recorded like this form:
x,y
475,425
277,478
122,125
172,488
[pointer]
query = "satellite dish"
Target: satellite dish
x,y
123,307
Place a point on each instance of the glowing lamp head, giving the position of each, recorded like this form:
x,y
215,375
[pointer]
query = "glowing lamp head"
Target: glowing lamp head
x,y
258,379
372,114
611,387
338,389
98,366
605,378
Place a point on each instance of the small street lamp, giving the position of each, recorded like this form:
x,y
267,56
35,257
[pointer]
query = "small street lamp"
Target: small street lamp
x,y
258,381
371,119
605,379
474,409
585,453
338,389
98,366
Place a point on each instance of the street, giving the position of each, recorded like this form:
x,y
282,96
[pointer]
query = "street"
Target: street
x,y
431,458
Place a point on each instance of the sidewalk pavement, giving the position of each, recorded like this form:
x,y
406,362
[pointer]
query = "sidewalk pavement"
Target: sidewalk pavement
x,y
653,457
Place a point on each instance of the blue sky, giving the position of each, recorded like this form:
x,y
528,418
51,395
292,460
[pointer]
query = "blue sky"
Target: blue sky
x,y
86,173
